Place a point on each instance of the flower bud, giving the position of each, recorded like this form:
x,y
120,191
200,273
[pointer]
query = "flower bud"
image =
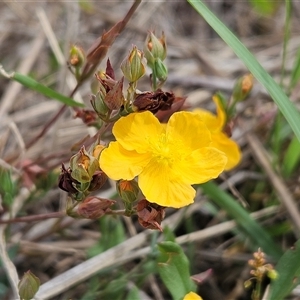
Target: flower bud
x,y
28,286
98,180
247,284
89,117
98,101
128,190
150,214
242,87
94,207
134,66
272,274
76,56
155,48
161,70
83,166
114,99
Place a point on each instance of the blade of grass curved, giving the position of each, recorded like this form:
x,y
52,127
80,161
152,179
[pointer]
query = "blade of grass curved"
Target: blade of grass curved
x,y
258,236
287,108
44,90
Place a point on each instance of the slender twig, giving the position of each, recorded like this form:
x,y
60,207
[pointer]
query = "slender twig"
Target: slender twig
x,y
34,218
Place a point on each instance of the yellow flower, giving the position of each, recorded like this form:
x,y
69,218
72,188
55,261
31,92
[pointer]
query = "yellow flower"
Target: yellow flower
x,y
168,158
220,140
192,296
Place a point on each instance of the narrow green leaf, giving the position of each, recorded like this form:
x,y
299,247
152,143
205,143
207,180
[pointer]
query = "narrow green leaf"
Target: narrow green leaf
x,y
44,90
287,108
291,158
295,76
288,269
173,268
258,236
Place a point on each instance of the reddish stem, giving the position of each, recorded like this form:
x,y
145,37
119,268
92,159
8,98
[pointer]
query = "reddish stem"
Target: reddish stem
x,y
35,218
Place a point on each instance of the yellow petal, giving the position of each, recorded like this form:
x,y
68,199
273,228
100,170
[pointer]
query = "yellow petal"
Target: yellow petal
x,y
189,128
159,186
192,296
137,130
119,163
209,119
201,165
231,149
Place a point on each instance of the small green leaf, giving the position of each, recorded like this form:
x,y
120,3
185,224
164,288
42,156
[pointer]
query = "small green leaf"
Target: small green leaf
x,y
288,269
44,90
173,268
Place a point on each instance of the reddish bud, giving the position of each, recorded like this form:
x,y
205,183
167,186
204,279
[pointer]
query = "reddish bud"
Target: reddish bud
x,y
98,180
89,117
94,207
114,99
150,214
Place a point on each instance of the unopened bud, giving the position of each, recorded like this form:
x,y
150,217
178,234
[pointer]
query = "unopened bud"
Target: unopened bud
x,y
248,284
150,214
98,101
76,57
114,99
98,180
272,274
83,166
134,66
155,48
242,87
94,207
89,117
128,190
28,286
161,70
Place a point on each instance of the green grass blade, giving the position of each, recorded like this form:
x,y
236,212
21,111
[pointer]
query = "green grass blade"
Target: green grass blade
x,y
44,90
288,269
295,76
258,236
291,158
287,108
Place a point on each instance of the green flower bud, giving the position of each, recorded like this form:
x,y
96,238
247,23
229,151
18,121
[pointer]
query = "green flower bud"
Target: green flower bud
x,y
272,274
155,48
161,70
128,190
242,87
98,101
83,166
28,286
134,66
76,56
